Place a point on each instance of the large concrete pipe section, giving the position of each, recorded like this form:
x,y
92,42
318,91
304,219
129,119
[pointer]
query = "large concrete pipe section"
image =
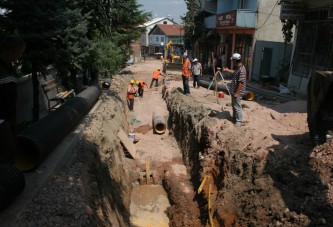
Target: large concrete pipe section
x,y
159,124
12,184
248,95
36,142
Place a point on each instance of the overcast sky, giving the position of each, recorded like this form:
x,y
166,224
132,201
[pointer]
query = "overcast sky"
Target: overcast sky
x,y
164,8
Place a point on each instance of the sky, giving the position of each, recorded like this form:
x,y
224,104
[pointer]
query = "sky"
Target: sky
x,y
165,8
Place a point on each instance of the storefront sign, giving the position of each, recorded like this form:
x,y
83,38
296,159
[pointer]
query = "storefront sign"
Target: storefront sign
x,y
226,19
291,11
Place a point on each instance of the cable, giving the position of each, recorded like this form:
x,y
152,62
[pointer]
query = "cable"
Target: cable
x,y
268,16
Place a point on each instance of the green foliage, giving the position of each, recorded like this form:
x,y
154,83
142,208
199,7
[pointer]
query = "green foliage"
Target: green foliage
x,y
194,22
108,57
287,26
126,19
74,35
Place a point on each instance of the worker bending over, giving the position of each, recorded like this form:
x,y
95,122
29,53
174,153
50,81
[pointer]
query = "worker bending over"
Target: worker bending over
x,y
131,92
155,76
141,86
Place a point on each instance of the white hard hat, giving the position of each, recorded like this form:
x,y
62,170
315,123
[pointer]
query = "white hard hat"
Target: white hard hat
x,y
236,56
194,60
185,55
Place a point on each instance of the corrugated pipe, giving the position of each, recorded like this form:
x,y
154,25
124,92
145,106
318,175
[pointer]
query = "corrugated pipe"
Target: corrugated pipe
x,y
12,184
159,124
36,142
248,95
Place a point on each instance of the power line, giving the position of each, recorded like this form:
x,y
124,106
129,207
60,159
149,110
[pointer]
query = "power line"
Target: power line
x,y
270,14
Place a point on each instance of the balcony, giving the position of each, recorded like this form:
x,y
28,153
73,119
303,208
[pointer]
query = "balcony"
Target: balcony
x,y
241,18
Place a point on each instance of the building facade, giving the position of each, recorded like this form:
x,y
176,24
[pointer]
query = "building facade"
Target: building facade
x,y
144,41
313,49
249,27
162,35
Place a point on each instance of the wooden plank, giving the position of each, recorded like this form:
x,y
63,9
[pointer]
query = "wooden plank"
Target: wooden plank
x,y
127,143
50,88
49,82
148,171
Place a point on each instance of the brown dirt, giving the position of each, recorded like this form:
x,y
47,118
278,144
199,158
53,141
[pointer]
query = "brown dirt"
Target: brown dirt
x,y
265,173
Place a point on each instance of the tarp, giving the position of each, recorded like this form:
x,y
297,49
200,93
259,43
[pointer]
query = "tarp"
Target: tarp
x,y
319,101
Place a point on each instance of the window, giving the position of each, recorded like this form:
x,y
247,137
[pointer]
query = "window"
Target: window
x,y
314,43
162,39
156,38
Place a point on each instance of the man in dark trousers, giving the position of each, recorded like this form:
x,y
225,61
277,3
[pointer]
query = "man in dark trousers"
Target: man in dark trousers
x,y
11,49
186,73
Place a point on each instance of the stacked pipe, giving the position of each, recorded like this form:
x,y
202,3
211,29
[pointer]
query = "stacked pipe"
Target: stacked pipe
x,y
36,142
12,184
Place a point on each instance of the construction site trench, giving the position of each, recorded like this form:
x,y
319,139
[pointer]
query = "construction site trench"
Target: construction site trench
x,y
201,171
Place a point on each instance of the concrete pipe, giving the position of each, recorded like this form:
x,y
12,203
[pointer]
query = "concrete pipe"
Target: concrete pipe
x,y
35,143
159,124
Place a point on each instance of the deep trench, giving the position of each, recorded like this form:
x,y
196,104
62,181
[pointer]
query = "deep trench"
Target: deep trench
x,y
191,131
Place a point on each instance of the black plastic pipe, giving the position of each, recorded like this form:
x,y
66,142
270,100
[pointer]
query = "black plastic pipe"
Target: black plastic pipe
x,y
248,95
36,142
12,184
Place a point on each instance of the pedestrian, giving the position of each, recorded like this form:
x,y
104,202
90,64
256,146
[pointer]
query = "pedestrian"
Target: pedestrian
x,y
196,72
131,93
155,76
186,73
144,58
141,86
238,86
11,49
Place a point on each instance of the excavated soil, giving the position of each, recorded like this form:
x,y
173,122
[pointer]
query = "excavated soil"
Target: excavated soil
x,y
265,173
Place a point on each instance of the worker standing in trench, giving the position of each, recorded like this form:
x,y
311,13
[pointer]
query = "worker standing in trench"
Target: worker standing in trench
x,y
155,76
131,92
238,85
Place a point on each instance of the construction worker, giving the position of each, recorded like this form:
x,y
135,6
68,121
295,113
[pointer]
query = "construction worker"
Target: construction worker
x,y
186,73
155,76
131,92
238,86
141,86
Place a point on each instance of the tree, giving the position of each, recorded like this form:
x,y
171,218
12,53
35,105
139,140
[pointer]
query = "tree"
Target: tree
x,y
194,22
47,28
126,21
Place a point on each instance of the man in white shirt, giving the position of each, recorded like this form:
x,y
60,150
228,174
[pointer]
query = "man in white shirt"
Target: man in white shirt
x,y
196,72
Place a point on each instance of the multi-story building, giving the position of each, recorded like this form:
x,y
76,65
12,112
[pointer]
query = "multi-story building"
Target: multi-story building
x,y
249,27
144,41
162,34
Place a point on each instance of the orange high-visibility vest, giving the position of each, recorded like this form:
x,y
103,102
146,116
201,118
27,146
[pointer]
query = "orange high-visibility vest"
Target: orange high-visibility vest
x,y
186,70
141,84
130,92
156,74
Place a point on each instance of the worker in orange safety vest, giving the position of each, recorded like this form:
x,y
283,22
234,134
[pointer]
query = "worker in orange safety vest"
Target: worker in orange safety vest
x,y
186,73
155,76
141,86
131,92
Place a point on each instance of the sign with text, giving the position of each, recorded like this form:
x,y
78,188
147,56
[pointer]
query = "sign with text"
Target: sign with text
x,y
292,11
226,19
